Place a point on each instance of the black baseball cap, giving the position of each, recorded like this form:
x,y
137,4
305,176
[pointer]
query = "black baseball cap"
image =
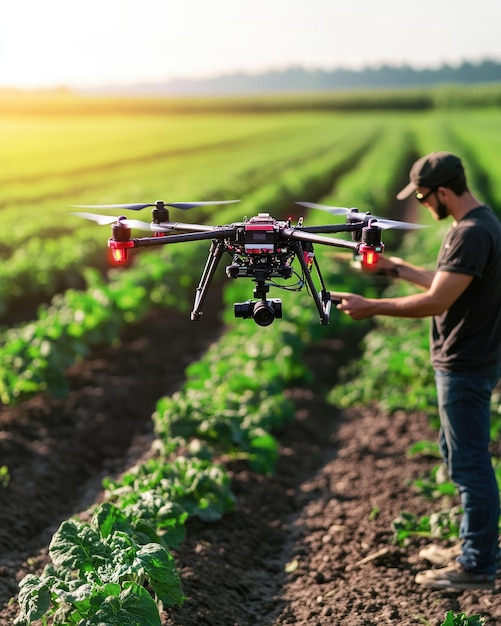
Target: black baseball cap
x,y
432,171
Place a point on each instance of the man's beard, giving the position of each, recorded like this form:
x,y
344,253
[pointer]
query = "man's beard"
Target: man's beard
x,y
441,211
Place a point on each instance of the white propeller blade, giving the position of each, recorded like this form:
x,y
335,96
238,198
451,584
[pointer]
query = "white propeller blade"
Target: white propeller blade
x,y
102,220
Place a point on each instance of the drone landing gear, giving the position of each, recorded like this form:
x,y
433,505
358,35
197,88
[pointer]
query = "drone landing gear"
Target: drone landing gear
x,y
216,251
322,298
262,310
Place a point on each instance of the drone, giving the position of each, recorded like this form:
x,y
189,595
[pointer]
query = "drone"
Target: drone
x,y
260,248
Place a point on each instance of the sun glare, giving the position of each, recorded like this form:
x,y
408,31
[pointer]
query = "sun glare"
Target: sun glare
x,y
98,43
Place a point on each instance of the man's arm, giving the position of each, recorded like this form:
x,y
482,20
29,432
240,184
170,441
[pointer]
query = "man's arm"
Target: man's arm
x,y
445,289
398,268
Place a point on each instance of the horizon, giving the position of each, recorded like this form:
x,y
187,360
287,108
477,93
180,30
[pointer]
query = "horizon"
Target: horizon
x,y
246,73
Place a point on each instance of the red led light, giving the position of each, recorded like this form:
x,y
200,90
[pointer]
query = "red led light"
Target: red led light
x,y
119,255
119,250
369,254
369,258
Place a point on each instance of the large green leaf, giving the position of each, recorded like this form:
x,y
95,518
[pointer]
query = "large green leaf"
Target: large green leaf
x,y
78,546
34,600
133,607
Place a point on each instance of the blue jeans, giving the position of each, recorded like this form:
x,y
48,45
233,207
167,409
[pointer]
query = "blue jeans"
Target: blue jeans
x,y
464,407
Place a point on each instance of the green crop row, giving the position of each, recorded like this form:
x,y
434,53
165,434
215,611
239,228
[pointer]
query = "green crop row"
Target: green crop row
x,y
269,142
88,143
34,356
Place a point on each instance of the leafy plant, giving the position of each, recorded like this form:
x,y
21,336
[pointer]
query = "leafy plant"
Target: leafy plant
x,y
199,487
425,448
442,524
436,485
461,619
100,575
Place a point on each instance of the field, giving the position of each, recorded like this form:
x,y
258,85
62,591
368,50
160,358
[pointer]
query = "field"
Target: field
x,y
154,470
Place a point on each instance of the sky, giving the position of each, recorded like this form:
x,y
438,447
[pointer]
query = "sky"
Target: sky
x,y
93,43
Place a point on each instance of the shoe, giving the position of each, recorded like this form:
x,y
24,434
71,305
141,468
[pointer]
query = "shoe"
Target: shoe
x,y
437,555
454,577
440,556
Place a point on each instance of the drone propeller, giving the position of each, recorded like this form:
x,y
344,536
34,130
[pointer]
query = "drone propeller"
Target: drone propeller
x,y
109,219
159,205
333,210
354,213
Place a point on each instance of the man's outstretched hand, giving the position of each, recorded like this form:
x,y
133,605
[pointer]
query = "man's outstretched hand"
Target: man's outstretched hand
x,y
357,307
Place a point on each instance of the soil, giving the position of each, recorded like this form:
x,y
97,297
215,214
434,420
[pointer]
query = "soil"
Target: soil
x,y
309,545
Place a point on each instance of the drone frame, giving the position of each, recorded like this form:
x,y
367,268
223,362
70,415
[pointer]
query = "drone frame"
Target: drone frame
x,y
262,241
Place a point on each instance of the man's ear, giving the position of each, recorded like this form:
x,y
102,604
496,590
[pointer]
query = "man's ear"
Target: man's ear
x,y
442,193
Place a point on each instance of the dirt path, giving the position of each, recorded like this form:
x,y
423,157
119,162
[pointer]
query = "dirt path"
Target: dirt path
x,y
291,552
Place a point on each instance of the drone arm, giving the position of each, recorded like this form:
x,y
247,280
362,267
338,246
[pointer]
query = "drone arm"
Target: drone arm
x,y
145,242
369,248
301,235
333,228
168,226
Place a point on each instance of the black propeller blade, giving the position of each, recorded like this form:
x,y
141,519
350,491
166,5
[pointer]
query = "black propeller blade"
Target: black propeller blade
x,y
354,214
159,205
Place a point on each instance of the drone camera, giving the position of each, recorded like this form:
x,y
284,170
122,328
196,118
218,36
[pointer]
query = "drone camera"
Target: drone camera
x,y
263,312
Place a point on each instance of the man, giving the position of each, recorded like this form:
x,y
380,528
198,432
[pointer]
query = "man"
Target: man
x,y
463,298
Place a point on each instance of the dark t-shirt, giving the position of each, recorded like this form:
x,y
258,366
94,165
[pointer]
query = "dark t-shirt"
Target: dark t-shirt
x,y
468,335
